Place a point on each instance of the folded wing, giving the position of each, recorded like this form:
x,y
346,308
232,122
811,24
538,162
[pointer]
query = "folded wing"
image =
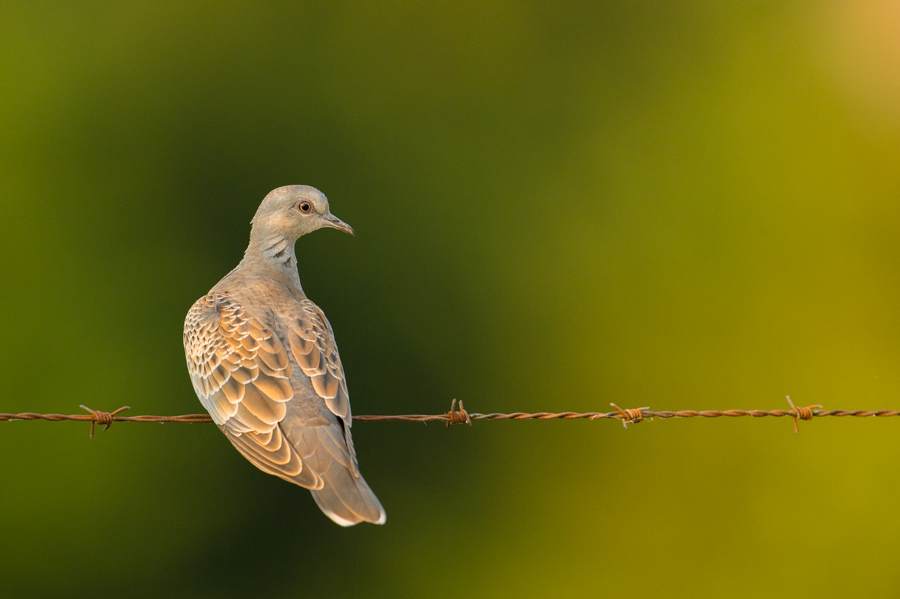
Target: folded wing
x,y
241,373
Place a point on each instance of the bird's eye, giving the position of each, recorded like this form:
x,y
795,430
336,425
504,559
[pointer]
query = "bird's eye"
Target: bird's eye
x,y
304,207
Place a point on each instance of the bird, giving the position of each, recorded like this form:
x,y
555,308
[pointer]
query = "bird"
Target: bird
x,y
264,363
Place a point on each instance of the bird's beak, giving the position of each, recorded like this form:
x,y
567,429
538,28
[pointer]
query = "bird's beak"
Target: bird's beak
x,y
336,223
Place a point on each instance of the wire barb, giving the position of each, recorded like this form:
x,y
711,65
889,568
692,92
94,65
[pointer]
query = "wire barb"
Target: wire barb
x,y
104,418
630,416
460,416
806,413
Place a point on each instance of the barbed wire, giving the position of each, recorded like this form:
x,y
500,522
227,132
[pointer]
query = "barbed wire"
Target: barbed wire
x,y
461,416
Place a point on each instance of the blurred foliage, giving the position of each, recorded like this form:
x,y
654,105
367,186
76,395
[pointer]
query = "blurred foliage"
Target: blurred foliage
x,y
686,205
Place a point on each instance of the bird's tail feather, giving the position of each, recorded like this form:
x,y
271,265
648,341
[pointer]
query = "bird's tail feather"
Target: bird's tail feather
x,y
347,499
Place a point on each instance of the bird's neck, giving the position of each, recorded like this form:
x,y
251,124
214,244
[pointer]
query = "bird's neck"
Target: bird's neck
x,y
272,256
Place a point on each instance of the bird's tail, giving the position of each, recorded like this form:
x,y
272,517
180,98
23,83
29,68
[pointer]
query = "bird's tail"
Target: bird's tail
x,y
339,490
346,498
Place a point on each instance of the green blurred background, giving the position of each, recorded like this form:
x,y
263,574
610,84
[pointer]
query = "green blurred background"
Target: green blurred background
x,y
682,205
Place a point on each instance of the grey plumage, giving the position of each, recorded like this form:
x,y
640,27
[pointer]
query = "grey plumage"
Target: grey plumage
x,y
265,365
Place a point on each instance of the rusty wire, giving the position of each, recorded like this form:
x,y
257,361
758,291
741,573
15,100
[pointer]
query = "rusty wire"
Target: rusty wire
x,y
461,416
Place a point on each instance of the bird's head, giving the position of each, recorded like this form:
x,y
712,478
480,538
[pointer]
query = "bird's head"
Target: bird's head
x,y
293,211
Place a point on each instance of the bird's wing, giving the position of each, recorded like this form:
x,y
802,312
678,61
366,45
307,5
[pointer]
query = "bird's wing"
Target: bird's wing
x,y
345,496
241,373
312,343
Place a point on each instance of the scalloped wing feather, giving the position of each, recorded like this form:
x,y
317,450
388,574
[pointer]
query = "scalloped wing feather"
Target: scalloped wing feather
x,y
241,373
312,342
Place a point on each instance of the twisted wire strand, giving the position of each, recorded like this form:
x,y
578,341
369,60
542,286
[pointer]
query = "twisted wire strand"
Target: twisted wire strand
x,y
461,416
617,415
